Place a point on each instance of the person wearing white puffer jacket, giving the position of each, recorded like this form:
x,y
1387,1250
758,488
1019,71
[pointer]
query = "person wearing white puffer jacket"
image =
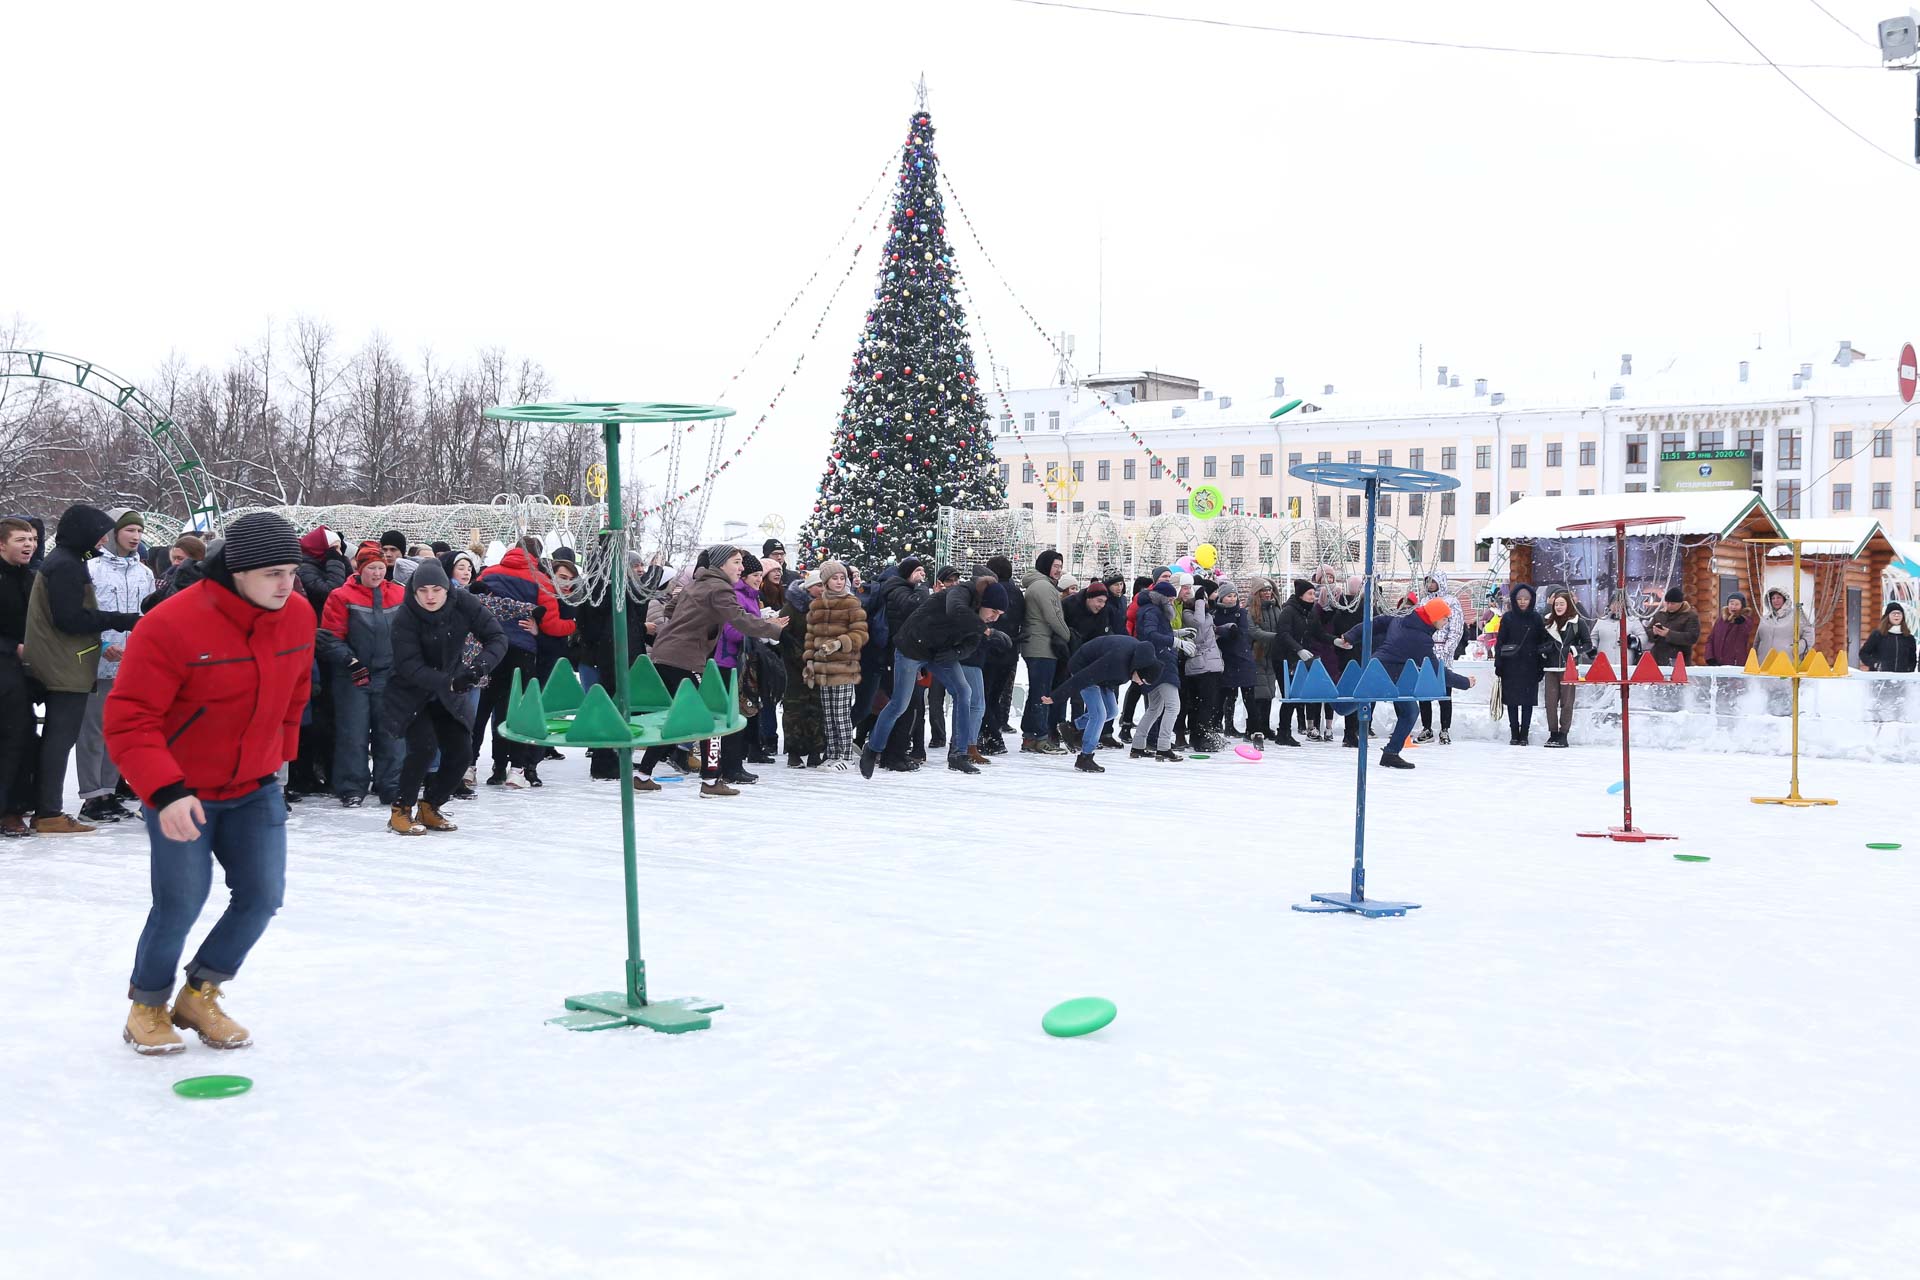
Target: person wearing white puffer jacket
x,y
121,581
1446,638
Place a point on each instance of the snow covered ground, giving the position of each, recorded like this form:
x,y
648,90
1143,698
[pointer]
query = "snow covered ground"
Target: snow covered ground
x,y
1577,1060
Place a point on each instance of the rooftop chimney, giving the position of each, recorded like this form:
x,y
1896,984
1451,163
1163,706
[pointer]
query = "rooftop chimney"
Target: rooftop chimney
x,y
1443,375
1328,391
1806,373
1616,392
1743,371
1626,365
1479,386
1279,388
1847,353
1454,381
1206,395
1179,411
1226,402
1797,380
1499,398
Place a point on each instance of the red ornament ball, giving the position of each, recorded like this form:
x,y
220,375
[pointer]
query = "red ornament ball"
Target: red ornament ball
x,y
836,508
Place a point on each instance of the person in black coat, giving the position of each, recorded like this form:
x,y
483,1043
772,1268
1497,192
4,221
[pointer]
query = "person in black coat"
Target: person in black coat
x,y
19,543
1097,668
1891,646
426,703
1233,631
1001,667
1295,638
1519,660
937,637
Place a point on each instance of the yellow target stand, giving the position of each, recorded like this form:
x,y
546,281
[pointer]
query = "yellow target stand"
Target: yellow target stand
x,y
1781,666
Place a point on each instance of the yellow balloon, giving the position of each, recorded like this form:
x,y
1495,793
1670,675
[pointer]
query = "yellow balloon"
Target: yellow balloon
x,y
1206,555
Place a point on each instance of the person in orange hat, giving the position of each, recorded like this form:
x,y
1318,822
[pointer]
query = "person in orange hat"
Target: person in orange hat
x,y
1398,640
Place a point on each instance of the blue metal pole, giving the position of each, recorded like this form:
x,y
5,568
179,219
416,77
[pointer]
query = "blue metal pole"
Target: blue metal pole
x,y
1366,708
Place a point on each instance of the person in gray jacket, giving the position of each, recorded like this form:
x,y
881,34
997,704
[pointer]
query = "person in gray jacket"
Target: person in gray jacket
x,y
1044,640
1204,669
1783,629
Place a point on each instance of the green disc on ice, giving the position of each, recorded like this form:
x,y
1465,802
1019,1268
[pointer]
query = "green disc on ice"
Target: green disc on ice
x,y
1078,1017
1691,857
212,1086
1199,756
1882,844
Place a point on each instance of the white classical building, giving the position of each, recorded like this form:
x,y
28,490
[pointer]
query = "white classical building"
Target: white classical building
x,y
1825,437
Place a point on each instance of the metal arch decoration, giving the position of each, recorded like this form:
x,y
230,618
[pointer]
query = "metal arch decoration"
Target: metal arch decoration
x,y
637,711
1366,674
190,474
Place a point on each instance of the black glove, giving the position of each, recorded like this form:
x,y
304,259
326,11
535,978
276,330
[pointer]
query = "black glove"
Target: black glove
x,y
359,672
465,679
539,613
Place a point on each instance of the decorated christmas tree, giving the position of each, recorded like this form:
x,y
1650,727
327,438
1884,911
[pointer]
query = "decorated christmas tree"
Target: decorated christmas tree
x,y
913,434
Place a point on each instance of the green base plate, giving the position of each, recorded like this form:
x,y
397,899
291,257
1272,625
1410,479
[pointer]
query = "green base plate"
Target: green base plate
x,y
1691,857
1882,844
604,1010
212,1086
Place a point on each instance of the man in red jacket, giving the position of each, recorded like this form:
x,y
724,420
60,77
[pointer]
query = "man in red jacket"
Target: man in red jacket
x,y
206,711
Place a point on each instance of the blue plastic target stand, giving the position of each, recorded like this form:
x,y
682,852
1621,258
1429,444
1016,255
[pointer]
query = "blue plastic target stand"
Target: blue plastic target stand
x,y
1365,681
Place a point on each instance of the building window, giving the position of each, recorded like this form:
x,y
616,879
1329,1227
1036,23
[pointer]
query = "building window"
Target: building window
x,y
1586,493
1673,441
1238,465
1295,550
1449,459
1787,450
1180,507
1883,495
1006,422
1053,419
1883,442
1449,501
1483,457
1843,497
1589,453
1553,455
1386,457
1156,469
1553,493
1127,508
1053,508
1079,508
1637,486
1514,495
1482,553
1153,506
1517,456
1713,439
1026,473
1326,455
1209,468
1103,469
1079,471
1842,445
1322,509
1353,457
1104,505
1180,468
1027,420
1636,455
1353,506
1417,459
1751,442
1129,468
1416,504
1786,498
1238,506
1266,506
1483,503
1383,502
1266,464
1293,460
1026,506
1006,474
1446,550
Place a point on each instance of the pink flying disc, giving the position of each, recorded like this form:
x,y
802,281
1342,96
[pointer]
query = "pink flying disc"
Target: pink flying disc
x,y
1246,752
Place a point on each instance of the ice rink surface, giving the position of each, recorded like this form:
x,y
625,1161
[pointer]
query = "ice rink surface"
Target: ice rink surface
x,y
1578,1059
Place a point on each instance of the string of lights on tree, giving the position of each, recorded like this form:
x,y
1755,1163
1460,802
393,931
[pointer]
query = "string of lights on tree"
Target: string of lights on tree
x,y
912,434
859,215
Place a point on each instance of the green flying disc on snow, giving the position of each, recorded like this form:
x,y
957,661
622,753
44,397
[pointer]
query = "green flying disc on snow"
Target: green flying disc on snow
x,y
1691,857
1882,844
1199,756
1078,1017
212,1086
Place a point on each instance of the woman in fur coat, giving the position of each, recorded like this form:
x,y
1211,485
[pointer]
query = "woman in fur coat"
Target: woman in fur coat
x,y
836,633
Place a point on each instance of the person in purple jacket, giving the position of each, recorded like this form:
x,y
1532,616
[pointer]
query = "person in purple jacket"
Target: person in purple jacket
x,y
1731,639
727,655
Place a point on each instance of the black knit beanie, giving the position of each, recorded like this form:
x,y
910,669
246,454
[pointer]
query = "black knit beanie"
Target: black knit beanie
x,y
258,540
394,538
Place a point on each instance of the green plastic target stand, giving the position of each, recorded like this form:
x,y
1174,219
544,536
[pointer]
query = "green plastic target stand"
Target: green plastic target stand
x,y
1078,1017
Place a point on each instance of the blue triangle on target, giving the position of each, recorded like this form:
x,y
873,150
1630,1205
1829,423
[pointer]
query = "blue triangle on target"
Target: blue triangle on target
x,y
1309,682
1349,683
1375,684
1433,681
1408,685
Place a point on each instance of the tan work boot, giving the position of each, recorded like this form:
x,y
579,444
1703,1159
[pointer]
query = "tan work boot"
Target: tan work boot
x,y
198,1009
429,817
973,754
147,1031
61,825
400,822
717,788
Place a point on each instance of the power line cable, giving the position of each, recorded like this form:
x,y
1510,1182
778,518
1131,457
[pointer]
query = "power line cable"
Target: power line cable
x,y
1801,90
1589,54
1842,25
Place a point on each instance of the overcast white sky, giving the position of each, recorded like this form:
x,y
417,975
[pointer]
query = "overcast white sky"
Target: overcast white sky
x,y
631,192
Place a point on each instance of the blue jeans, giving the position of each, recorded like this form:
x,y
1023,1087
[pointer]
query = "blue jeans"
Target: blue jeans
x,y
249,837
589,677
1404,714
906,672
1102,707
976,707
356,718
1037,720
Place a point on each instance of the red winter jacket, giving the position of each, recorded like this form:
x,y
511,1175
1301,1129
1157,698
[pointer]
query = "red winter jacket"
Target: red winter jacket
x,y
209,696
529,584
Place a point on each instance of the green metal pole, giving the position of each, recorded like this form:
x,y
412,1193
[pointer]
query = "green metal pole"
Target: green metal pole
x,y
616,526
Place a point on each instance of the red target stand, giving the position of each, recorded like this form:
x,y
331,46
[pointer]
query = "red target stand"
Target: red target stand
x,y
1601,671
